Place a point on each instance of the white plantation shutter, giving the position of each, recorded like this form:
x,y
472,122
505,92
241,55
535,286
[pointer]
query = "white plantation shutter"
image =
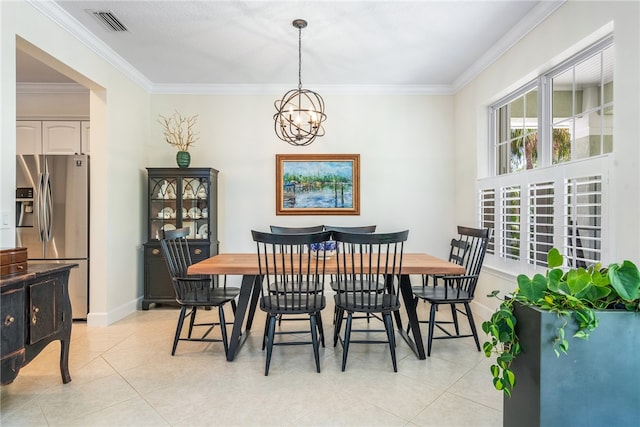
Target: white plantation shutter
x,y
582,230
541,218
510,222
561,207
487,217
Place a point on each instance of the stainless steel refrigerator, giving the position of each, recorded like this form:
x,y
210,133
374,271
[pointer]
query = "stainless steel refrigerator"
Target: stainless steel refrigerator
x,y
52,217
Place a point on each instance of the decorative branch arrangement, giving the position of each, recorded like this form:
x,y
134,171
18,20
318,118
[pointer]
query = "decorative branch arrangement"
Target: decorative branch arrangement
x,y
178,130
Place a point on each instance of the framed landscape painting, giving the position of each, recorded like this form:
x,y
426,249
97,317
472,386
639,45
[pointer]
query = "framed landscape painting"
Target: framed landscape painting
x,y
317,184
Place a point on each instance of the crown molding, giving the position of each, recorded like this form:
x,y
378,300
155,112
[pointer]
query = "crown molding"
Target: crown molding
x,y
50,88
238,89
70,24
537,15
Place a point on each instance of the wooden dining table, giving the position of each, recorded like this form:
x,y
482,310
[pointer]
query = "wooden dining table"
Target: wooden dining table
x,y
246,265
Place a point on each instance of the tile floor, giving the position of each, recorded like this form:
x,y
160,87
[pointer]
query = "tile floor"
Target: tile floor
x,y
124,375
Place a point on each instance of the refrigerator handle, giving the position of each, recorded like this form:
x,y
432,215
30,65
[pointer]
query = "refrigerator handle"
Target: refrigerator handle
x,y
48,207
39,207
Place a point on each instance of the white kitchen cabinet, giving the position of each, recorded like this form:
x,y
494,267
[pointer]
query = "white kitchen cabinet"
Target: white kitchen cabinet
x,y
61,137
29,137
85,144
52,137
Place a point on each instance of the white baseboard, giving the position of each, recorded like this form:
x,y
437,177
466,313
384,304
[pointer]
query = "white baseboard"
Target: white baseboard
x,y
112,316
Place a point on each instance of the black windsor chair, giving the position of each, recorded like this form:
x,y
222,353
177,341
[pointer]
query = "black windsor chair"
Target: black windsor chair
x,y
467,250
292,284
278,229
347,248
193,292
365,283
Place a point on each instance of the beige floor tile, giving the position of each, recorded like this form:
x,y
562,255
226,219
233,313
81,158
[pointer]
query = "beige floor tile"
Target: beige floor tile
x,y
124,375
134,413
450,410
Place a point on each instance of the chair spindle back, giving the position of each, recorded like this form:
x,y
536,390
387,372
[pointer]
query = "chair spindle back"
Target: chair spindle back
x,y
366,267
293,276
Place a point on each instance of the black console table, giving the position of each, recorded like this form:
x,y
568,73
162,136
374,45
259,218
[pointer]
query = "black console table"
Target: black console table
x,y
35,310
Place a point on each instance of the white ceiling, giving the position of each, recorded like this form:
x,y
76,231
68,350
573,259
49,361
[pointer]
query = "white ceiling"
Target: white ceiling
x,y
434,46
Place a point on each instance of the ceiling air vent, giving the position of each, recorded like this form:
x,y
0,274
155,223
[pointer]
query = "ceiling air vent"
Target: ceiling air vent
x,y
109,20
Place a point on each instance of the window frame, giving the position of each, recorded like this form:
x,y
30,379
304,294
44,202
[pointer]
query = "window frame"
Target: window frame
x,y
545,172
496,106
547,78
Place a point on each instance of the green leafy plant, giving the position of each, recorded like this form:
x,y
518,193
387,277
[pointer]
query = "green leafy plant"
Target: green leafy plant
x,y
574,295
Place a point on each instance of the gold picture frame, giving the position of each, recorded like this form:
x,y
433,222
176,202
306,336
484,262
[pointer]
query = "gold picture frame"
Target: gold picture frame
x,y
317,184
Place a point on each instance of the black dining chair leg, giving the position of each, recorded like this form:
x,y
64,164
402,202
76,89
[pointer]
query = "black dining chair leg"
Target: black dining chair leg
x,y
472,324
266,333
454,314
432,322
314,340
192,320
347,339
270,337
223,329
320,328
337,326
388,325
183,311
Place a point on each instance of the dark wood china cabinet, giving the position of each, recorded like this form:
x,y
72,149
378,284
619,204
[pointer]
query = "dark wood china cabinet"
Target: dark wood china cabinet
x,y
176,198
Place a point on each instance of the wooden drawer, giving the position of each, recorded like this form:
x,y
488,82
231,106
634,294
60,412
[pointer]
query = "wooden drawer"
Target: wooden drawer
x,y
13,260
12,320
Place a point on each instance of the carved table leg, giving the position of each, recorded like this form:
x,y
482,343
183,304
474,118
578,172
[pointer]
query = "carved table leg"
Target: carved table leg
x,y
64,359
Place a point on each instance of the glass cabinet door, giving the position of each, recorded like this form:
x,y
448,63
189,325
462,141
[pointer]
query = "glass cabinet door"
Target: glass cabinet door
x,y
182,198
163,205
195,206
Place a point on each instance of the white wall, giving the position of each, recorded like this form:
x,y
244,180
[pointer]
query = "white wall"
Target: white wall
x,y
119,112
572,27
405,145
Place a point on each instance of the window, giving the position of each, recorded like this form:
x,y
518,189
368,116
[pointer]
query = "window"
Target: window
x,y
582,107
549,141
516,125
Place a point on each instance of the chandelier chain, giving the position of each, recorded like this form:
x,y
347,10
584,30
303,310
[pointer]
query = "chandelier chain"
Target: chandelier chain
x,y
299,58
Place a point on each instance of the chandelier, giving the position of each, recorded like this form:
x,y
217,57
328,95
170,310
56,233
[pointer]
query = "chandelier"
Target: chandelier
x,y
300,111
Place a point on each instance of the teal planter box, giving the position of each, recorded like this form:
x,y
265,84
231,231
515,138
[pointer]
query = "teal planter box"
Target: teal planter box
x,y
596,384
